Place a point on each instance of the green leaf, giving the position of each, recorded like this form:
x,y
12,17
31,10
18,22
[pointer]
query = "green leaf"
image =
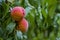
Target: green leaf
x,y
19,34
9,38
0,0
25,36
34,3
51,7
43,3
58,21
1,38
52,11
10,1
5,9
28,9
44,13
10,27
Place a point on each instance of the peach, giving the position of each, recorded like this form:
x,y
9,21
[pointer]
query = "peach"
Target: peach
x,y
17,13
23,25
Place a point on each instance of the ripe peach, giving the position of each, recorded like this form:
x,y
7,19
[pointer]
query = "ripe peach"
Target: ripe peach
x,y
23,25
17,13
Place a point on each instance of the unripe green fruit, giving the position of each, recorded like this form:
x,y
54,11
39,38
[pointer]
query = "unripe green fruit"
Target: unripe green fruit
x,y
17,13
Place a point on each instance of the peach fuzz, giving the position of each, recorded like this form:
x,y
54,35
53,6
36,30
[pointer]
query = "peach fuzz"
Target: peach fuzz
x,y
17,13
23,25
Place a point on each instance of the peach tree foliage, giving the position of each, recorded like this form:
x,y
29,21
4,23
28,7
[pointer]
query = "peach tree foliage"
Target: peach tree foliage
x,y
43,17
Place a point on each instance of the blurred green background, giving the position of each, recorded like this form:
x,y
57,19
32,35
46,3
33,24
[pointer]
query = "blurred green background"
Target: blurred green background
x,y
43,17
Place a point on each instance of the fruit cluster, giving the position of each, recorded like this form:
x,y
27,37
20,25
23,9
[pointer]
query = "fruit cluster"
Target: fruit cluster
x,y
17,14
